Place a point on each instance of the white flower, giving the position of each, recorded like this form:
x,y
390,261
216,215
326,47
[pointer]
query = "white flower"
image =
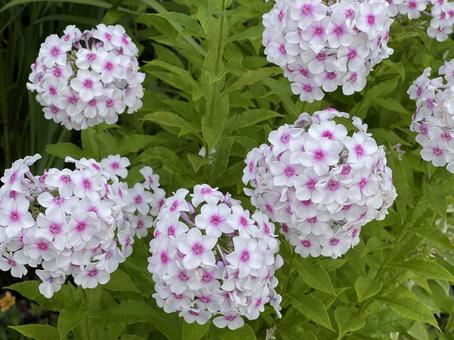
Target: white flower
x,y
433,119
78,223
338,183
321,47
225,274
85,79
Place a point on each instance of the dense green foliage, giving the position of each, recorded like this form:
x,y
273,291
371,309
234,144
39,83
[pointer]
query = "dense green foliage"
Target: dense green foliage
x,y
209,88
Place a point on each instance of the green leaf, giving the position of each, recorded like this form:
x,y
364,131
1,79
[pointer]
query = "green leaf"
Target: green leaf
x,y
134,311
389,104
409,307
121,282
347,321
165,118
70,318
194,331
436,237
367,287
175,76
435,198
251,117
313,309
315,276
214,121
251,77
37,331
134,143
196,161
426,269
62,150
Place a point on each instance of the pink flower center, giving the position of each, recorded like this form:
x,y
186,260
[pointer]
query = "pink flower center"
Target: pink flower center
x,y
352,53
307,88
310,184
362,183
285,138
306,243
359,150
333,185
138,199
41,245
327,134
216,220
321,56
81,226
307,10
282,49
243,221
334,241
207,277
171,231
437,151
319,155
65,179
312,220
183,276
108,66
245,256
174,205
92,272
86,183
72,99
339,30
55,228
107,36
109,102
88,83
164,257
331,75
91,56
11,262
230,317
115,165
197,249
289,171
55,51
14,216
371,19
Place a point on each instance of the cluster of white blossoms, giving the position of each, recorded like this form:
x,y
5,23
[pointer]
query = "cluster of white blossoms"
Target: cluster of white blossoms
x,y
441,14
78,223
319,183
433,119
86,78
322,47
210,257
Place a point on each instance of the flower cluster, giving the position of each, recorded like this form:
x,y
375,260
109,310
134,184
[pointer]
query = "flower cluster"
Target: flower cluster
x,y
212,257
78,223
319,183
86,78
441,14
433,119
323,47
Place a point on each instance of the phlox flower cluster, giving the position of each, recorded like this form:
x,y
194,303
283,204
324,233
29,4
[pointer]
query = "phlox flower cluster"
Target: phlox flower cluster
x,y
441,13
86,78
210,257
321,47
433,120
79,223
319,183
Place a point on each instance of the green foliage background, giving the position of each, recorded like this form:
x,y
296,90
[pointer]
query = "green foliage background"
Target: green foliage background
x,y
209,87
